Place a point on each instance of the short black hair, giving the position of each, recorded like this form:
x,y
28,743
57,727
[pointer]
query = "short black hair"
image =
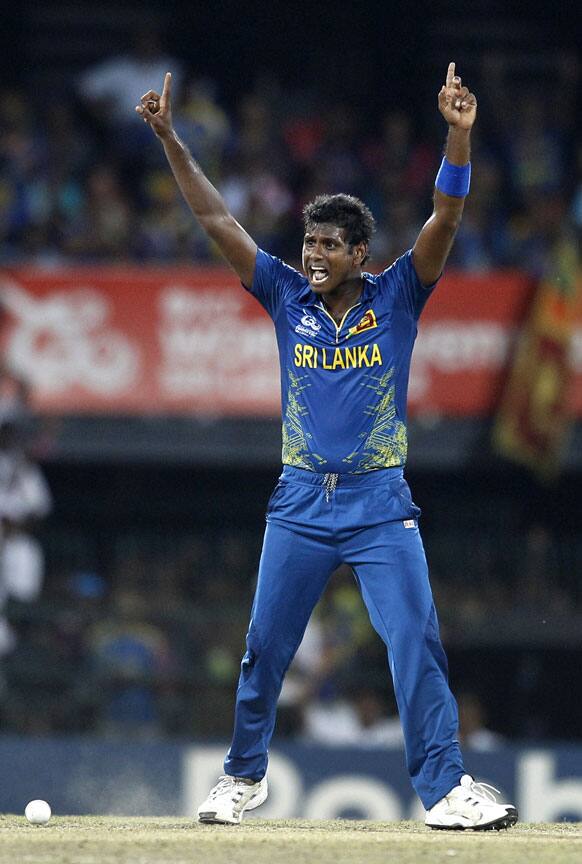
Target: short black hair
x,y
345,211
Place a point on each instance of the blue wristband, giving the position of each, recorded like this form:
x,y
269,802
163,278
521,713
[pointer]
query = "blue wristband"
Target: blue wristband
x,y
453,180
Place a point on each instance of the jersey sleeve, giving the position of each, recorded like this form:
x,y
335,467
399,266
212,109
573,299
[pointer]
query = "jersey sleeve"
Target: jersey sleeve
x,y
407,286
273,280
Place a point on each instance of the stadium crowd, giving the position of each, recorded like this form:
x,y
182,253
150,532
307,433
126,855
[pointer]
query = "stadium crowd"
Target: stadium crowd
x,y
82,181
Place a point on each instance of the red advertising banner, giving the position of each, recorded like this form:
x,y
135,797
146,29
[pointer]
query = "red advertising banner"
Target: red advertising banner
x,y
159,341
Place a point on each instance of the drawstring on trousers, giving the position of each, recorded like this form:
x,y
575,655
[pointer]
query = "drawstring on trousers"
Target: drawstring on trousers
x,y
329,484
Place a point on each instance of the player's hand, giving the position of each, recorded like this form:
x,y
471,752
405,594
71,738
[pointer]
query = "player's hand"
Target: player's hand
x,y
457,105
157,110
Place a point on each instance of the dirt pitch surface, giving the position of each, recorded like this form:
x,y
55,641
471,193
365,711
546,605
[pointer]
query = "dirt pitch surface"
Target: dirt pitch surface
x,y
114,840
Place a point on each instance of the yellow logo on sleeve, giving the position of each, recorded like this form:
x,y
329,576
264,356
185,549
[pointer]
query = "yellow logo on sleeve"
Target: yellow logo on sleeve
x,y
365,323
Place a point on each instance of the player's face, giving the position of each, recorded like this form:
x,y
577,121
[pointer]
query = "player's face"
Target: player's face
x,y
328,260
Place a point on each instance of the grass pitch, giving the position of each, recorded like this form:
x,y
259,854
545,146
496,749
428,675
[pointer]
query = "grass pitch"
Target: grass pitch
x,y
114,840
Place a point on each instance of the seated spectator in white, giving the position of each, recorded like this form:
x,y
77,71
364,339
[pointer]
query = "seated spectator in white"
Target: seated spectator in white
x,y
114,84
24,499
473,732
362,721
110,90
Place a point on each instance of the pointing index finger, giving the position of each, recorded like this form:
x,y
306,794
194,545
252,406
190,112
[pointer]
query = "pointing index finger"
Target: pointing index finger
x,y
166,92
450,75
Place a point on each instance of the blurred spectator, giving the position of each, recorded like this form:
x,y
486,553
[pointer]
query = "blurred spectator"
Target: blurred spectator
x,y
166,232
533,230
481,242
109,92
22,163
338,641
131,664
112,88
398,162
536,149
260,200
538,581
203,124
103,227
362,720
336,633
24,499
577,198
473,732
59,189
337,162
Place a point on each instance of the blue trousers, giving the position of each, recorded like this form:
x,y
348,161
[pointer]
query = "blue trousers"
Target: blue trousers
x,y
369,522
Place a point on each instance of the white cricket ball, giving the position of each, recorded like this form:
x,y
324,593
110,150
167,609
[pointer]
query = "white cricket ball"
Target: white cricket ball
x,y
37,812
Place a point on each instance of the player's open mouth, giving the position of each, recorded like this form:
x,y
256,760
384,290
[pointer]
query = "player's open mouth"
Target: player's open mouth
x,y
318,275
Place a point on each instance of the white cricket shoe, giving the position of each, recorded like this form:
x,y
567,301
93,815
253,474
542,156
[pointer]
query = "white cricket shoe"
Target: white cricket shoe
x,y
230,798
471,805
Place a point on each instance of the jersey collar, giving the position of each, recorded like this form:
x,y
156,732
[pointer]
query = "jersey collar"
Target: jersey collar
x,y
308,297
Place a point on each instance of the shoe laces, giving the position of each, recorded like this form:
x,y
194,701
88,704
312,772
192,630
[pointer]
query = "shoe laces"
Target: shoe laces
x,y
484,791
225,783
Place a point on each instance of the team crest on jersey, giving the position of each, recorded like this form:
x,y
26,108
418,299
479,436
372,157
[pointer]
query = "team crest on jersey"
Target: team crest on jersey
x,y
367,322
309,325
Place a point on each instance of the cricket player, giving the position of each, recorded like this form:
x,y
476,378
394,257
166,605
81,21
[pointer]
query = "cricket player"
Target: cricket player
x,y
345,341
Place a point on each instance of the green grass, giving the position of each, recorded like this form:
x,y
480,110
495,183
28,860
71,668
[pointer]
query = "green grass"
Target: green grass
x,y
114,840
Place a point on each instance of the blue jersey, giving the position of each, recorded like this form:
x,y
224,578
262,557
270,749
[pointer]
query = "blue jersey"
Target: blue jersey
x,y
343,386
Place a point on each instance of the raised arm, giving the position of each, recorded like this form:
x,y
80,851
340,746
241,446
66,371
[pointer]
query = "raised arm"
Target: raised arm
x,y
203,199
431,250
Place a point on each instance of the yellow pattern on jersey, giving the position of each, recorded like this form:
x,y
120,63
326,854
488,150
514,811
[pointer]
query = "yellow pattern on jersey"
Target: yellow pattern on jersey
x,y
295,446
386,445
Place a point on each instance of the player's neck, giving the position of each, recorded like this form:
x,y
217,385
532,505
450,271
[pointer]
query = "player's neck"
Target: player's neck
x,y
342,298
